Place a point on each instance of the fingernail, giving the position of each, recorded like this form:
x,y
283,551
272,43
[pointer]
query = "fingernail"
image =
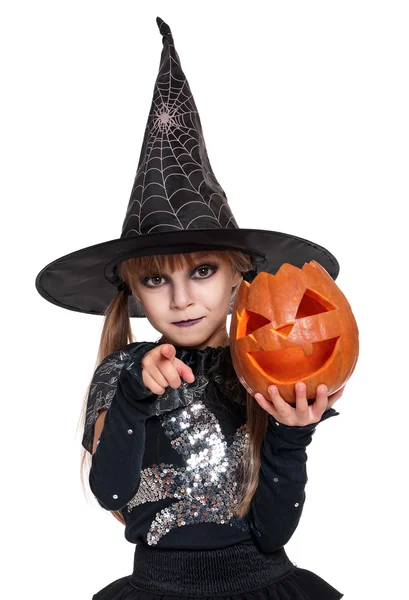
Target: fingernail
x,y
273,389
300,387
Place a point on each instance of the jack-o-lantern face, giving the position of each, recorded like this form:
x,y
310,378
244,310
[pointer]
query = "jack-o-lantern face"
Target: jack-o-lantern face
x,y
293,326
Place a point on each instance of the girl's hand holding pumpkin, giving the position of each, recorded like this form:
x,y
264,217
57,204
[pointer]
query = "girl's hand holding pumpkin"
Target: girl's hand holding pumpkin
x,y
303,414
161,368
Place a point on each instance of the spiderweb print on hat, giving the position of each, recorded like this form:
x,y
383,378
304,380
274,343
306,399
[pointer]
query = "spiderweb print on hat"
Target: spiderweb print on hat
x,y
175,187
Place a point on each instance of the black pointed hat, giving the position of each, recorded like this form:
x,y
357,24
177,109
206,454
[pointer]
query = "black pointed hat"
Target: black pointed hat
x,y
176,205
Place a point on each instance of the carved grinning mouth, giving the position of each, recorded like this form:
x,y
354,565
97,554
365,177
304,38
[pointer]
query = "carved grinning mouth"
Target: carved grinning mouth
x,y
300,361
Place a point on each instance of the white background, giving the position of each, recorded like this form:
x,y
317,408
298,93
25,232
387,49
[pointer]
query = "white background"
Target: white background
x,y
304,108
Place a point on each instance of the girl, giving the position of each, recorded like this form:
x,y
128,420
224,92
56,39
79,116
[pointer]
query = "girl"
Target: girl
x,y
208,481
209,508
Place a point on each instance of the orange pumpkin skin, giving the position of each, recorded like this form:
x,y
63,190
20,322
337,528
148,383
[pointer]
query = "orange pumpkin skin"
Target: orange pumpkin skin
x,y
293,326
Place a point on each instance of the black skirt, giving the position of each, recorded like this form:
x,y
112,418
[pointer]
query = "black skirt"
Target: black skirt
x,y
238,572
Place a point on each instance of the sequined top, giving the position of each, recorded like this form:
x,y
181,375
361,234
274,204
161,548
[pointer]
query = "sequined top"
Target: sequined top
x,y
172,463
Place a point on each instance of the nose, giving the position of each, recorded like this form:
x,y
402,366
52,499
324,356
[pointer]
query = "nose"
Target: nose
x,y
182,296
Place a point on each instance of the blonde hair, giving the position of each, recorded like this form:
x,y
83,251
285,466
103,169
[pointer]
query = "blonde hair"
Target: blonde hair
x,y
117,333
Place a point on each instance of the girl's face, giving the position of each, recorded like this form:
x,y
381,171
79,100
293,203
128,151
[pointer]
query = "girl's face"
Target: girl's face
x,y
202,292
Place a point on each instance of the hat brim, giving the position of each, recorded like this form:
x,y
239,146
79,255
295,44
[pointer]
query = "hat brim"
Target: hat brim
x,y
85,281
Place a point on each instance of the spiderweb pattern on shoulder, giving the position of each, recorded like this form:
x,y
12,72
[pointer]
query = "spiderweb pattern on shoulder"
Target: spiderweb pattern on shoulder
x,y
102,390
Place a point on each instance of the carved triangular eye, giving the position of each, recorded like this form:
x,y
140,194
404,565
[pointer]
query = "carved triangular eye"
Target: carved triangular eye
x,y
255,321
313,304
248,321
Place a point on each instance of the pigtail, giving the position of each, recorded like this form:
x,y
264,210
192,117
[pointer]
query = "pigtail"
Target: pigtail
x,y
257,421
117,330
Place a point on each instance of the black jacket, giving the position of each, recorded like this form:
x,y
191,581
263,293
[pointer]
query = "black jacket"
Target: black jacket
x,y
172,463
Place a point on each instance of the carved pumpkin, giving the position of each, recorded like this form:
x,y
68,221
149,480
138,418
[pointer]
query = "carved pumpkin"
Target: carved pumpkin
x,y
293,326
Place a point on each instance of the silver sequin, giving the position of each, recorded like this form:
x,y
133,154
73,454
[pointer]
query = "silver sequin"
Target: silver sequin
x,y
206,488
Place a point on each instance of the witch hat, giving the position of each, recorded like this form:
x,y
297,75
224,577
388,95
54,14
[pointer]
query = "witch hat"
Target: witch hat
x,y
176,205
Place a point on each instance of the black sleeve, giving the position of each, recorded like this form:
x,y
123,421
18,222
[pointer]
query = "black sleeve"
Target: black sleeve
x,y
116,464
115,472
279,500
102,390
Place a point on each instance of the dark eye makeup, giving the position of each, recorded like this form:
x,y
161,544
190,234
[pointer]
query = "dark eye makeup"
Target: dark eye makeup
x,y
212,267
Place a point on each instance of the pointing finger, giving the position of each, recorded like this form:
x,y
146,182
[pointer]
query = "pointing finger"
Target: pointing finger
x,y
168,350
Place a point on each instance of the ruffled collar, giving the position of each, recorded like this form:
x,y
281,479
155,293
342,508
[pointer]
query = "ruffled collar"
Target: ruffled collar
x,y
211,355
213,367
208,355
206,350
